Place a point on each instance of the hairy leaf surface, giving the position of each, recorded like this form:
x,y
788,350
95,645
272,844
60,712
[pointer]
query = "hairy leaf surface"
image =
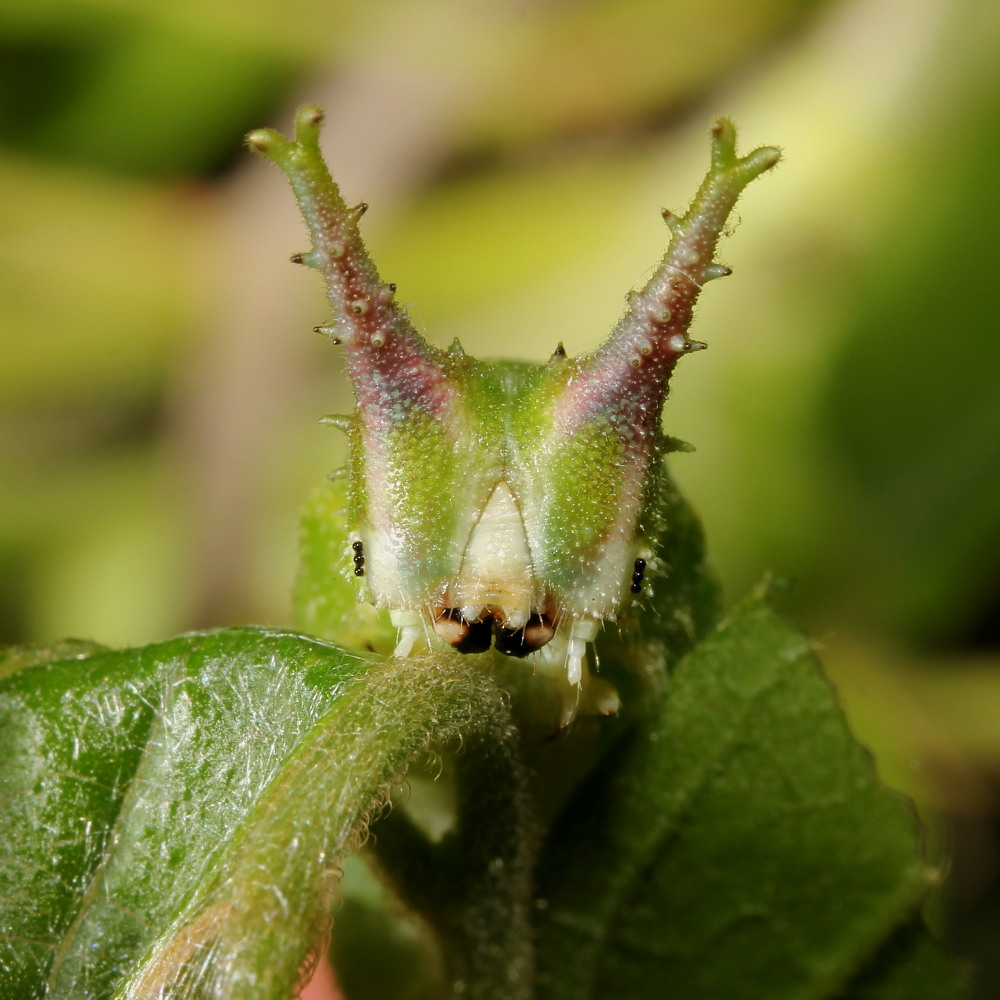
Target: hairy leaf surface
x,y
173,815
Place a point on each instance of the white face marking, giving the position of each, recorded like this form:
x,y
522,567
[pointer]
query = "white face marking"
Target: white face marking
x,y
496,568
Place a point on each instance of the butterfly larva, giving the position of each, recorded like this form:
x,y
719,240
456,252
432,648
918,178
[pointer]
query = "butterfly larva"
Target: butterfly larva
x,y
504,503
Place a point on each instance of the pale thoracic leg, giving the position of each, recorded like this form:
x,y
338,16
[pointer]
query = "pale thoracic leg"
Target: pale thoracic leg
x,y
410,625
580,633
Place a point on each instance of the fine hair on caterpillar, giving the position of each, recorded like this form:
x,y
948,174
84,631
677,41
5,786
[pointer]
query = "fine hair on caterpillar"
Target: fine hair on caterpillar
x,y
506,505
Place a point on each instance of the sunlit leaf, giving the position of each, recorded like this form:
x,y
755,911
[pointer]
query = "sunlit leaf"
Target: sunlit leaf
x,y
173,815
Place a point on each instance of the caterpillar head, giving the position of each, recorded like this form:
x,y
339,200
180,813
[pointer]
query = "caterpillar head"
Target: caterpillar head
x,y
504,504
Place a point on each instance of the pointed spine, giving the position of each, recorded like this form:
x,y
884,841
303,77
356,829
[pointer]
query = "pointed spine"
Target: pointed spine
x,y
338,420
386,357
639,356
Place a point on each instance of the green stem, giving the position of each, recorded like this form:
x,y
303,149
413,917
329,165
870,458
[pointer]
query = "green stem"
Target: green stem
x,y
250,928
474,888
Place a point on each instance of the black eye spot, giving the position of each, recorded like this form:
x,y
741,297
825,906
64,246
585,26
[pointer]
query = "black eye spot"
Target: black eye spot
x,y
463,635
510,641
537,631
358,547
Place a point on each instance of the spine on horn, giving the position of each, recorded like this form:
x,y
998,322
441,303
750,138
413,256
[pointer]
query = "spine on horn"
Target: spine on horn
x,y
631,369
388,361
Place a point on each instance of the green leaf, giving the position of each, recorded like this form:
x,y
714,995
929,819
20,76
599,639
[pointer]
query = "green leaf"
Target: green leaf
x,y
173,815
908,966
735,843
378,950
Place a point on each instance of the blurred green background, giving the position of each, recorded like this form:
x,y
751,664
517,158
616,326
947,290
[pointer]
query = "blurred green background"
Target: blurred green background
x,y
159,386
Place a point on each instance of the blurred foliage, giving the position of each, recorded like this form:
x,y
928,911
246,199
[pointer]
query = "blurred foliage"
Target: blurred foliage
x,y
846,420
931,524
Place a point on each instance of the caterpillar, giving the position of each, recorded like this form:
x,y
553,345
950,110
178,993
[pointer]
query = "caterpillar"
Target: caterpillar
x,y
506,504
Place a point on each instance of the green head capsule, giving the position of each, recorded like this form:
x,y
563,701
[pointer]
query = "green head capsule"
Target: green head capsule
x,y
505,503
